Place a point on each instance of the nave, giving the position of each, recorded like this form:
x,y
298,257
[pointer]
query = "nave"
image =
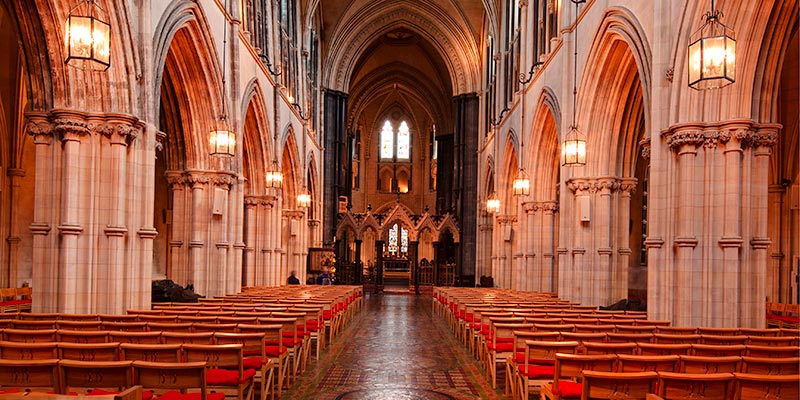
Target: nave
x,y
394,349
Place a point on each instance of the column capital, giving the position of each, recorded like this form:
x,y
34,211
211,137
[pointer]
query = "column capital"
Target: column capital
x,y
739,132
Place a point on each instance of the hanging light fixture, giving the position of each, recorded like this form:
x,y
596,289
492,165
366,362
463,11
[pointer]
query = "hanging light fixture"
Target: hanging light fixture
x,y
223,139
88,37
275,176
522,185
573,150
493,204
712,54
304,198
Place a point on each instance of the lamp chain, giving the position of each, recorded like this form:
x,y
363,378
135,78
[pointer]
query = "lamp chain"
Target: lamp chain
x,y
224,57
575,69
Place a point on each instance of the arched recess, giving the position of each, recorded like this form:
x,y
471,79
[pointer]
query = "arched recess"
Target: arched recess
x,y
259,202
187,85
613,107
359,27
541,214
778,86
20,91
291,166
485,228
507,271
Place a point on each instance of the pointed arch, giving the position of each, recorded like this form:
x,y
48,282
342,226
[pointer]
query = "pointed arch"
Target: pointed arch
x,y
617,73
255,152
292,173
544,146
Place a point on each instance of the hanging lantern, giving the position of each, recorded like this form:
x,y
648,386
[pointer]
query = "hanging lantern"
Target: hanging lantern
x,y
712,54
522,185
88,38
493,204
223,140
274,177
304,199
573,150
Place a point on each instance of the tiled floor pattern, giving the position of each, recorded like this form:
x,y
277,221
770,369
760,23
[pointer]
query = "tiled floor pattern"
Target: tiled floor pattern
x,y
394,350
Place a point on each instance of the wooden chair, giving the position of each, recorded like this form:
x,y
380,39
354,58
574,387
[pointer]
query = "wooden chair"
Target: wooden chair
x,y
772,351
206,327
28,351
73,325
569,371
39,375
226,367
501,343
609,348
718,331
24,298
653,322
538,366
290,340
27,335
34,324
712,350
771,366
755,340
709,365
630,337
581,337
660,349
135,337
255,357
79,317
278,354
761,332
151,352
124,326
617,385
584,328
118,318
174,380
643,363
89,351
677,330
8,300
772,387
513,362
39,316
723,339
174,327
188,338
672,385
95,377
82,336
676,338
636,329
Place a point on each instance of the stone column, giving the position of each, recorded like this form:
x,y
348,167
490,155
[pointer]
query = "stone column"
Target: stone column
x,y
197,273
111,277
579,277
250,239
73,294
622,266
531,264
45,268
177,268
755,284
725,275
378,265
15,175
413,254
777,288
549,275
436,262
358,270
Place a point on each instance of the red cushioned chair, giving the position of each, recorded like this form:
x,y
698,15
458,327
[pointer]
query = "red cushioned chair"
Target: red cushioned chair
x,y
569,373
173,381
225,364
255,356
94,377
538,366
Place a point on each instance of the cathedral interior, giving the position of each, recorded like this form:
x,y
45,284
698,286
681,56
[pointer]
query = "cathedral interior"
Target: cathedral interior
x,y
600,152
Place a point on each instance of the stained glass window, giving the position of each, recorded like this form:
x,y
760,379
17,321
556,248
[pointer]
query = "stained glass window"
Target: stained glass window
x,y
403,142
393,240
404,241
387,141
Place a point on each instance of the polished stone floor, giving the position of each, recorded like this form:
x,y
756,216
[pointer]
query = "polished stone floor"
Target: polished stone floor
x,y
394,350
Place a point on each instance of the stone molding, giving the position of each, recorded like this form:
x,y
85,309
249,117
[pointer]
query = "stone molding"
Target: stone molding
x,y
260,200
743,132
193,178
294,214
506,219
72,125
592,185
536,206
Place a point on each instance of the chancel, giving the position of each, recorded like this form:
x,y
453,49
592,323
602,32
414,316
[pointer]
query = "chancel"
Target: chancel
x,y
514,198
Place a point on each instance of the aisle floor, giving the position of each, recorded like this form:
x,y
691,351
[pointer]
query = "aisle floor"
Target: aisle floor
x,y
394,350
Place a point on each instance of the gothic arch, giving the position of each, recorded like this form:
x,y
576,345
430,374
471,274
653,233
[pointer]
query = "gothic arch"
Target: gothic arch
x,y
255,152
188,74
292,172
543,152
358,29
618,69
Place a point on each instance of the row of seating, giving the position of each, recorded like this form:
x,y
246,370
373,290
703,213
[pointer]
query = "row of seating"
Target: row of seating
x,y
212,373
282,335
782,315
15,299
498,333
